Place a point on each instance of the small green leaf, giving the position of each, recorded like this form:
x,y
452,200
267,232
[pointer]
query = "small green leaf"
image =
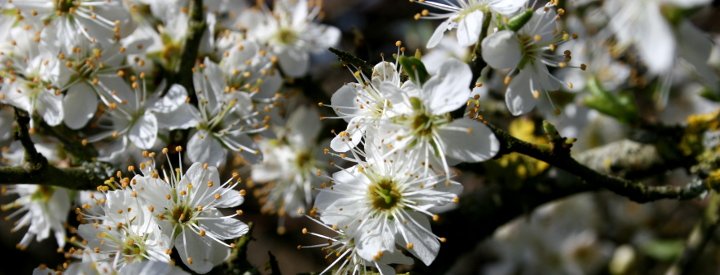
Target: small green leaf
x,y
663,250
414,68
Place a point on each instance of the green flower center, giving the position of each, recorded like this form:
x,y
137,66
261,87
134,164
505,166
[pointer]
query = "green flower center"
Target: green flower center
x,y
529,49
133,249
43,193
384,194
286,36
65,6
304,160
181,214
422,124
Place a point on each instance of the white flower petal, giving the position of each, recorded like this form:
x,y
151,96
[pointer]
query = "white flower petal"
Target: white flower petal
x,y
173,99
151,268
271,83
519,97
324,37
375,241
384,72
438,34
209,85
469,28
265,172
144,132
351,137
655,41
294,62
80,104
49,106
230,198
204,252
449,89
425,246
200,178
695,47
345,100
303,128
501,50
184,117
222,228
203,147
117,87
112,150
153,191
475,143
507,7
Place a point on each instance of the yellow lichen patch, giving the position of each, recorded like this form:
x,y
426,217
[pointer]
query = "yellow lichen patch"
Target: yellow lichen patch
x,y
520,165
698,125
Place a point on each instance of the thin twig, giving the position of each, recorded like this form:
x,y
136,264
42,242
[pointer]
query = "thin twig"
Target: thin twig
x,y
23,135
703,231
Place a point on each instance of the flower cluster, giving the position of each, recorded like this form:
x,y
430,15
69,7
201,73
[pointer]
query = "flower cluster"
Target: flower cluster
x,y
93,66
402,138
144,217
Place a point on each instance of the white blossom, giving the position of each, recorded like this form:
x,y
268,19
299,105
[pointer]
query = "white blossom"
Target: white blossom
x,y
124,231
642,24
224,119
65,21
342,246
528,53
423,121
291,167
136,116
388,201
186,205
291,34
44,210
365,104
466,16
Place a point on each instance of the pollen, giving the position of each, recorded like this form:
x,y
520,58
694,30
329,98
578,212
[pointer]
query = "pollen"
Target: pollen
x,y
536,94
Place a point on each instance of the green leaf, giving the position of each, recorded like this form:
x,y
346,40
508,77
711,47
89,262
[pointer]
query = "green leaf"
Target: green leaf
x,y
663,250
619,106
710,94
414,69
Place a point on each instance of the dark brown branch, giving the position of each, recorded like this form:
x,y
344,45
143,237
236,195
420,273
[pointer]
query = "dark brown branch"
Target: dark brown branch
x,y
183,73
36,168
86,177
558,155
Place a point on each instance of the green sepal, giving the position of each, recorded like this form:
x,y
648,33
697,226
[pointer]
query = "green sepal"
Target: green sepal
x,y
518,21
414,69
